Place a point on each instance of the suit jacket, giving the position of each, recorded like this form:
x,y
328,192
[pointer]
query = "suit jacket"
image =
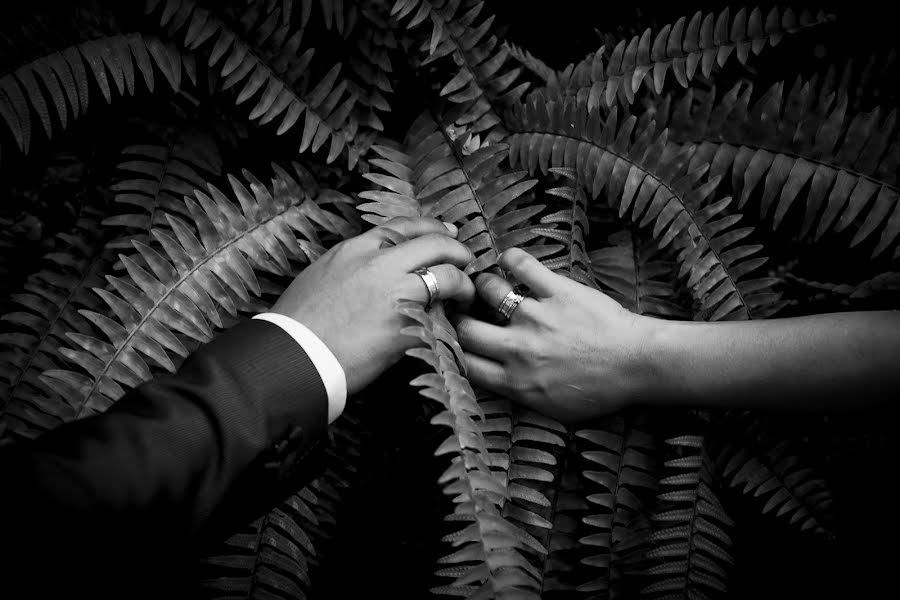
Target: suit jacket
x,y
122,504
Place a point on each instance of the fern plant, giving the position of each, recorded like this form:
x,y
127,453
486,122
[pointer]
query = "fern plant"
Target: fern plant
x,y
686,169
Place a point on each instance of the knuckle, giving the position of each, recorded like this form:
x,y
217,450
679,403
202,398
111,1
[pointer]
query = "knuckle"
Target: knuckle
x,y
494,287
463,331
397,222
519,258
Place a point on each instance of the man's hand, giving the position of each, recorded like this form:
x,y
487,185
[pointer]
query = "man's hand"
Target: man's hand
x,y
568,351
348,297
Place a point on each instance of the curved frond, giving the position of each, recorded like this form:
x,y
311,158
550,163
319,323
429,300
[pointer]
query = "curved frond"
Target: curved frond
x,y
46,309
691,547
480,87
191,285
532,63
271,72
643,176
631,272
276,555
702,42
372,68
55,88
491,553
574,262
621,471
772,472
635,167
435,178
269,558
800,144
718,265
155,180
887,283
537,501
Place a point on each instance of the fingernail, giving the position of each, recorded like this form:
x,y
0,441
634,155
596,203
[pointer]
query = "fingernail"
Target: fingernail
x,y
453,229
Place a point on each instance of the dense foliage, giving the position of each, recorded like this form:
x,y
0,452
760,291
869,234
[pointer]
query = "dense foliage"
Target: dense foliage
x,y
168,166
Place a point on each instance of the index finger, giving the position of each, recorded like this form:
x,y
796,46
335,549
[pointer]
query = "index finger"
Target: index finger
x,y
528,270
399,229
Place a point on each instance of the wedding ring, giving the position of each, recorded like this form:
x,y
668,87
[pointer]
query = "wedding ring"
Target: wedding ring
x,y
431,282
510,303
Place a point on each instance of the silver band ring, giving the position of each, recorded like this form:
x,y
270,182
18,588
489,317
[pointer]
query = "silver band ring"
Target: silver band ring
x,y
431,282
510,303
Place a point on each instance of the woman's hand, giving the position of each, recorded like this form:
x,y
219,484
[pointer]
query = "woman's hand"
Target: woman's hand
x,y
348,297
568,351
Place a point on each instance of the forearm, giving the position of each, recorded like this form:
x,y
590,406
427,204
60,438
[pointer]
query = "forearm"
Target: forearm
x,y
824,362
174,464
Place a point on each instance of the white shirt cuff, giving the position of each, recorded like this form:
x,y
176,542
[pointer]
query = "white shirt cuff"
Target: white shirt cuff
x,y
323,360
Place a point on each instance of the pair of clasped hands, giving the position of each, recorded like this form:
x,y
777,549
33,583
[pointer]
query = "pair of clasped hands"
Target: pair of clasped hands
x,y
570,351
349,299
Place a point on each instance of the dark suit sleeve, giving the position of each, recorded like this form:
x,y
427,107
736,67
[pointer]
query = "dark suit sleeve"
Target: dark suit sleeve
x,y
177,462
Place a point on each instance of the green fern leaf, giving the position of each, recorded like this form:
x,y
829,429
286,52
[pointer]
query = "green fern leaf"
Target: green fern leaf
x,y
639,174
434,178
275,556
479,87
786,144
574,262
66,76
532,63
621,471
682,48
643,176
691,547
633,274
771,471
718,266
47,308
496,546
271,71
159,177
188,286
887,283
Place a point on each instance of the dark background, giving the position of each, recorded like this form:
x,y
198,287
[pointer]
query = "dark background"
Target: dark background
x,y
387,543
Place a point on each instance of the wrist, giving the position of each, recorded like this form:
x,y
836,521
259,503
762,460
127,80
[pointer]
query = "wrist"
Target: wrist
x,y
649,363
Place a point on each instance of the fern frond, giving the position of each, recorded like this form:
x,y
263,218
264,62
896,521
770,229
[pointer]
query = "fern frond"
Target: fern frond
x,y
268,558
535,487
633,166
562,568
771,471
575,262
804,141
276,555
272,73
57,86
883,283
372,68
434,178
158,177
621,469
863,81
691,546
633,274
532,63
645,177
490,559
718,266
190,284
480,87
701,43
48,308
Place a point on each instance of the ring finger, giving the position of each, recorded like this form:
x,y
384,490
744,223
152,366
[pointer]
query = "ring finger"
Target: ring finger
x,y
453,284
493,289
